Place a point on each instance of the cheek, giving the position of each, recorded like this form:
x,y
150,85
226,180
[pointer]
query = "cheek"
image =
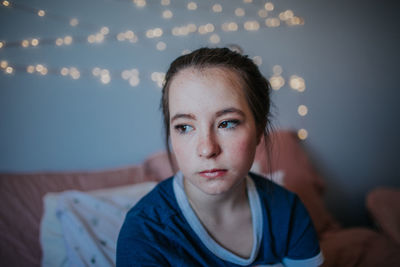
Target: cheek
x,y
243,149
180,149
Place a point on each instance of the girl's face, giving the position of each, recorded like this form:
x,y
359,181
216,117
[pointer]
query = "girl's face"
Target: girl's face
x,y
213,133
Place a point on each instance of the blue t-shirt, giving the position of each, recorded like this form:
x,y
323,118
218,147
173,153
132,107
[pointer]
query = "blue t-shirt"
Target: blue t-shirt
x,y
163,230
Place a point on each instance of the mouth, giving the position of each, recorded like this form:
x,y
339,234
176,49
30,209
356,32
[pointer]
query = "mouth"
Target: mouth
x,y
213,173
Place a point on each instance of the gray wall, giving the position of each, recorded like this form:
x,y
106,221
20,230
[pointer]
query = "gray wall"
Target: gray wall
x,y
347,53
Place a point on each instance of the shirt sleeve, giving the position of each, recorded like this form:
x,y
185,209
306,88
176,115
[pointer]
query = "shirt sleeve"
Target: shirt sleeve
x,y
303,246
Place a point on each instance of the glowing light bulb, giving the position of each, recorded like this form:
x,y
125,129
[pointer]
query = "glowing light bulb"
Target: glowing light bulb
x,y
75,74
269,6
257,60
74,22
105,79
302,110
192,6
186,51
214,38
34,42
272,22
192,27
39,67
9,70
297,83
30,69
277,69
25,43
217,8
167,14
134,81
262,13
44,71
6,3
59,41
67,40
302,134
96,71
161,46
64,71
1,44
104,30
140,3
251,25
41,13
157,32
209,27
99,38
3,64
91,38
239,12
277,82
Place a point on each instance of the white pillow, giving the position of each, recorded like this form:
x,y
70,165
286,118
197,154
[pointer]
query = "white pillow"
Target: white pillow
x,y
81,228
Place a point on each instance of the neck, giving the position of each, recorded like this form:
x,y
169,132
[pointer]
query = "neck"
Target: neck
x,y
220,206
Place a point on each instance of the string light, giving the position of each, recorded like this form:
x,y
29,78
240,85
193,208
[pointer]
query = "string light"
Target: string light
x,y
9,70
269,6
161,46
239,12
272,22
230,26
277,69
251,25
41,13
1,44
302,110
217,8
6,3
214,39
74,22
262,13
302,134
277,82
165,2
3,64
297,83
140,3
158,78
257,60
34,42
167,14
192,6
132,76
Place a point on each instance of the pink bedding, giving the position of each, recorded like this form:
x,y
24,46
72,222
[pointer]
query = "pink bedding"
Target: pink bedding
x,y
21,205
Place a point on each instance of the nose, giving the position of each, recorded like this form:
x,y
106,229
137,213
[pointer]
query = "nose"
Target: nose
x,y
208,146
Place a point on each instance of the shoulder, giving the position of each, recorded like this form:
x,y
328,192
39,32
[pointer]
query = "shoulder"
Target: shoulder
x,y
145,229
288,221
270,191
157,206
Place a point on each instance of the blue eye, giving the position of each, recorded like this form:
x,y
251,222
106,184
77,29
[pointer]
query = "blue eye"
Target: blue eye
x,y
183,128
229,124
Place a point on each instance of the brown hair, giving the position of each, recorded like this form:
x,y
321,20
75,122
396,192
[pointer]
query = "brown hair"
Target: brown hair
x,y
256,88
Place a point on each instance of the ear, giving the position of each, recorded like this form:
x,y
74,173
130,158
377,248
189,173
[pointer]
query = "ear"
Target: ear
x,y
260,136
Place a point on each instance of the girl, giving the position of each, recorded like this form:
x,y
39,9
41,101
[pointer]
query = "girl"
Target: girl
x,y
213,212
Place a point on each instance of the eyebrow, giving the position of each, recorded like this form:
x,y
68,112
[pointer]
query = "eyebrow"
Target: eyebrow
x,y
218,114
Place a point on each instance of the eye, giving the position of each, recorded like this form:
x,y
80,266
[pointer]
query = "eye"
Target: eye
x,y
183,128
229,124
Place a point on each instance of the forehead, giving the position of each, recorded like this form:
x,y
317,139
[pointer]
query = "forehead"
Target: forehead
x,y
206,89
209,75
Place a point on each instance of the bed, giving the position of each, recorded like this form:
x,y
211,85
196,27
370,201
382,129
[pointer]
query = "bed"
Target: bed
x,y
73,218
